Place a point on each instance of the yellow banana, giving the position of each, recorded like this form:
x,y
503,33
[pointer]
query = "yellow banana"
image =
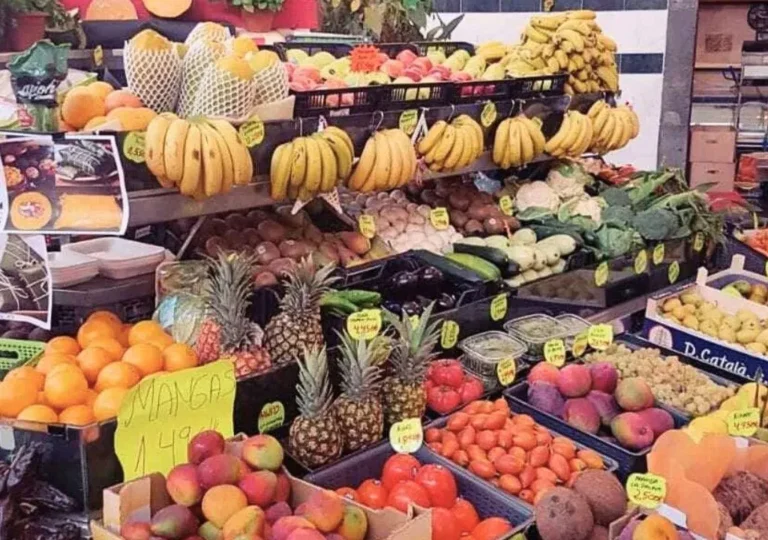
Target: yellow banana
x,y
213,163
173,149
573,37
599,121
581,26
562,58
500,142
155,145
432,137
383,165
280,171
330,172
556,142
408,154
314,171
607,42
298,162
452,159
193,162
607,132
227,162
567,47
343,136
242,163
468,152
579,61
363,167
534,129
446,143
527,152
586,14
397,161
609,77
596,107
618,133
341,152
514,158
573,133
632,115
548,23
536,34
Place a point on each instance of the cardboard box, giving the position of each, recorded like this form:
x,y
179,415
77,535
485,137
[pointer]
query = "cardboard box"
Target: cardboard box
x,y
721,31
722,174
712,144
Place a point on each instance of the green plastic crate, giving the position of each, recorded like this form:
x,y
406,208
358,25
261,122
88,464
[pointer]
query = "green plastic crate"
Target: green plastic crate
x,y
18,352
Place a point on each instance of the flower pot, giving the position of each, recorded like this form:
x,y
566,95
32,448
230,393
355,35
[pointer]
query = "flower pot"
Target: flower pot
x,y
258,21
24,29
298,14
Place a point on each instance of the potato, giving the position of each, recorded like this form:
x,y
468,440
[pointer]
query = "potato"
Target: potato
x,y
758,348
691,298
746,336
731,321
690,309
751,325
708,327
762,337
679,312
671,304
726,333
691,322
745,315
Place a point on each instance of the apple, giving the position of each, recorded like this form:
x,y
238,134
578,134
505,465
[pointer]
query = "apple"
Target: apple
x,y
393,68
424,63
460,76
309,72
414,74
383,57
443,71
406,56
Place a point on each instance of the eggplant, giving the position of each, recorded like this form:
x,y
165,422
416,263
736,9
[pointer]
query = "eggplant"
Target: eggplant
x,y
404,284
412,308
394,307
445,302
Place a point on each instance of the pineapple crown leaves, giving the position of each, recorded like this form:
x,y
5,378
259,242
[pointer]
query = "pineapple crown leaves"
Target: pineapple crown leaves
x,y
305,285
360,364
415,344
313,394
227,296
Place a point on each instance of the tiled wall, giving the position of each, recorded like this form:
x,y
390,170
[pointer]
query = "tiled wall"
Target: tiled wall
x,y
638,26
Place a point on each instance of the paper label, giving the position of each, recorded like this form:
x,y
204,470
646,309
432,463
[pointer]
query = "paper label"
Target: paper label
x,y
252,132
408,120
449,334
439,218
133,146
506,370
698,242
601,274
766,268
641,261
600,336
743,423
580,343
271,417
7,438
646,490
161,414
367,225
554,352
505,205
406,436
499,307
673,272
488,115
365,324
658,254
98,56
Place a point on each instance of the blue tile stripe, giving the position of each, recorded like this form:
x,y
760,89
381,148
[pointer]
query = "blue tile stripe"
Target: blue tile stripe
x,y
519,6
640,63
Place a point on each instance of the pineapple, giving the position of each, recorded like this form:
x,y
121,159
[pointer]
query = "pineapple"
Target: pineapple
x,y
403,391
297,325
227,333
358,410
315,437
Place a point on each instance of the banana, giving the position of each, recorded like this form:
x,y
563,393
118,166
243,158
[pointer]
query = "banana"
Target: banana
x,y
330,172
571,66
609,77
588,55
452,159
618,133
213,163
314,171
553,65
536,34
227,161
548,51
193,165
173,149
607,132
583,76
587,14
343,136
562,58
154,149
432,137
578,85
341,152
445,145
500,142
468,155
567,47
596,108
556,142
476,134
397,159
577,25
573,37
408,153
586,137
298,161
241,157
534,129
514,158
633,119
623,117
598,122
579,61
280,171
527,152
607,42
383,166
548,23
573,132
364,166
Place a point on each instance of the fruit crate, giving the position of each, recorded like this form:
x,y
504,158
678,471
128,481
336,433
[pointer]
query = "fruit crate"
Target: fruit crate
x,y
17,352
446,47
487,500
473,91
300,469
337,49
255,392
66,319
393,49
540,85
396,97
754,260
336,101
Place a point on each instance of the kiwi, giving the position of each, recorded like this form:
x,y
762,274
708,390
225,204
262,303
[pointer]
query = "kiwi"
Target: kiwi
x,y
473,227
604,494
233,238
215,245
251,236
271,231
293,249
266,252
563,514
218,226
459,201
265,279
256,216
236,222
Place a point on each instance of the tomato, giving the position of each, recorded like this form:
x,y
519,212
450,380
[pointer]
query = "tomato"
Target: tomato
x,y
399,467
372,494
443,399
471,389
446,373
439,484
444,525
347,493
466,515
491,529
407,493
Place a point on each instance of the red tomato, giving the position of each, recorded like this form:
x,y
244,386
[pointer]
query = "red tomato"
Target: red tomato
x,y
406,493
491,529
439,484
471,389
443,399
399,467
466,515
372,494
447,373
347,493
444,525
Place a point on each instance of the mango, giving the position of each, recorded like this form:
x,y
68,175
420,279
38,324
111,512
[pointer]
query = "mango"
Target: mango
x,y
278,510
221,469
204,445
248,520
354,524
324,509
283,490
284,526
259,487
209,531
263,452
136,531
183,485
221,503
174,522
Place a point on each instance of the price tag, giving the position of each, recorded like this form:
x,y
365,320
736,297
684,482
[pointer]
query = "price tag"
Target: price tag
x,y
449,334
580,343
601,274
554,352
98,56
646,490
439,218
271,417
133,146
698,242
408,121
365,324
505,205
406,436
488,116
252,132
600,336
161,414
506,370
743,423
658,254
641,261
673,272
367,225
499,307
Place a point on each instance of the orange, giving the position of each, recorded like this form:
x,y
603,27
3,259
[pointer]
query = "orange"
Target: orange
x,y
38,413
117,374
110,345
144,331
26,373
161,341
179,356
90,397
65,388
41,400
47,362
15,396
92,360
63,344
145,357
107,405
61,368
93,330
104,315
123,336
100,89
77,415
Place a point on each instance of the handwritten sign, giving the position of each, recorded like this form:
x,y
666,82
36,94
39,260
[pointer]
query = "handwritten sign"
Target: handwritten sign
x,y
408,120
271,417
506,371
488,114
554,352
367,225
439,218
364,324
641,262
743,423
600,336
646,490
499,307
601,274
505,205
658,254
580,343
406,436
161,414
133,146
673,272
449,334
698,242
252,132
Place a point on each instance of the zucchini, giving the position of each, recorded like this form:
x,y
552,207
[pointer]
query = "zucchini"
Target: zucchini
x,y
491,254
486,270
335,302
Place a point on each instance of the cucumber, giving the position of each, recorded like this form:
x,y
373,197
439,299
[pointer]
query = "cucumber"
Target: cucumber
x,y
359,296
335,302
490,254
486,270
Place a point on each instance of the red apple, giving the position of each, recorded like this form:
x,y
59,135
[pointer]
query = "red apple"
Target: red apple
x,y
444,71
406,56
414,74
310,72
393,68
424,63
460,76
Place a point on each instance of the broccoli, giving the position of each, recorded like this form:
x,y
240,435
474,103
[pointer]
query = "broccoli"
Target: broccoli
x,y
614,196
619,216
655,224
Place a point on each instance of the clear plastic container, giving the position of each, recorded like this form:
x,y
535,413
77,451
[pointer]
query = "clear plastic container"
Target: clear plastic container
x,y
120,258
535,330
574,325
483,351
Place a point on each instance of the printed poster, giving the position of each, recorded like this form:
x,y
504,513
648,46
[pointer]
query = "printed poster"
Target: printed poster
x,y
25,280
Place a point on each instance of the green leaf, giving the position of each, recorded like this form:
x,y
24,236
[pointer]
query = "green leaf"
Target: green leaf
x,y
418,16
248,8
374,19
451,26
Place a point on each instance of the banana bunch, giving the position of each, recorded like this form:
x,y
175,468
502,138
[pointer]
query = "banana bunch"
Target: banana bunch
x,y
517,142
306,166
492,51
449,147
388,161
202,157
573,138
613,128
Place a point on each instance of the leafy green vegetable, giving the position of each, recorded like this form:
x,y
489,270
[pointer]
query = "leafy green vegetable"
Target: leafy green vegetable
x,y
618,216
655,224
533,213
614,196
613,241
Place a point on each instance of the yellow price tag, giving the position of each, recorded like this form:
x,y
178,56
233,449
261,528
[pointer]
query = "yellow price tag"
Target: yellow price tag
x,y
408,121
488,115
271,417
406,436
161,414
506,370
580,343
364,324
600,336
743,423
499,307
646,490
367,225
641,261
601,274
698,242
505,205
252,132
449,334
98,56
439,218
554,352
673,272
658,254
133,146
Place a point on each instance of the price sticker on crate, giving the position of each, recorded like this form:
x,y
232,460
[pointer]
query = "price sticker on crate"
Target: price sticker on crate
x,y
252,132
580,343
449,334
438,217
554,352
499,307
367,225
600,336
673,272
698,242
658,254
505,205
601,274
646,490
133,146
406,436
271,417
364,324
743,423
506,371
408,121
641,261
488,114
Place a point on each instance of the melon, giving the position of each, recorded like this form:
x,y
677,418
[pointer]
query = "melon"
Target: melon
x,y
241,45
167,9
226,89
153,70
79,107
207,30
200,56
111,10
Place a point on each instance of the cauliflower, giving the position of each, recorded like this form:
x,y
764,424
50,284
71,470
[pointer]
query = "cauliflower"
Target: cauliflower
x,y
589,207
536,195
568,181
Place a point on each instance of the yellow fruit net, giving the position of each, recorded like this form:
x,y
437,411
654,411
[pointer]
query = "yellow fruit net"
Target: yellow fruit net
x,y
207,30
154,75
201,55
223,94
270,84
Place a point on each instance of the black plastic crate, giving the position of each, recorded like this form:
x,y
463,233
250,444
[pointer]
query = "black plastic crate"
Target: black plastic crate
x,y
67,319
412,96
392,49
336,101
337,49
472,91
540,85
447,47
256,391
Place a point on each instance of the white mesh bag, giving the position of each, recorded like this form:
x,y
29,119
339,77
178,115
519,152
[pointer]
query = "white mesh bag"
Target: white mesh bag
x,y
154,76
270,84
221,93
207,30
201,55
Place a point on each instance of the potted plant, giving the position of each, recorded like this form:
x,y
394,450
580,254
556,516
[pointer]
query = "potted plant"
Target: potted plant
x,y
258,14
25,21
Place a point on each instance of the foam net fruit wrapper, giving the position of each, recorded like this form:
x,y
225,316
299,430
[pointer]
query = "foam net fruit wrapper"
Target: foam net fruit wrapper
x,y
270,84
153,76
200,56
222,94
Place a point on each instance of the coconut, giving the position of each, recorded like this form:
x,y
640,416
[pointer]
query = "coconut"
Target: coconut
x,y
604,493
563,514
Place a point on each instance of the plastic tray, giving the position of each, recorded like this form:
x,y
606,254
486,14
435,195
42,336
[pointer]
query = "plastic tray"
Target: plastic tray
x,y
574,325
483,364
70,268
535,343
119,258
17,352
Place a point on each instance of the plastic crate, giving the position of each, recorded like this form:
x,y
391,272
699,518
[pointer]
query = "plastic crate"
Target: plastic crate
x,y
395,97
447,47
67,319
472,91
17,352
337,49
541,85
336,101
487,500
392,49
254,392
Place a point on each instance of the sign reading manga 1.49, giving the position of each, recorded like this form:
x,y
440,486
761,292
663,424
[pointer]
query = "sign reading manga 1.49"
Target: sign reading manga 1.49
x,y
161,414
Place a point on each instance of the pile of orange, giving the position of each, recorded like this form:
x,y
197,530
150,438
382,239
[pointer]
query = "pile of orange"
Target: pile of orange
x,y
84,379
